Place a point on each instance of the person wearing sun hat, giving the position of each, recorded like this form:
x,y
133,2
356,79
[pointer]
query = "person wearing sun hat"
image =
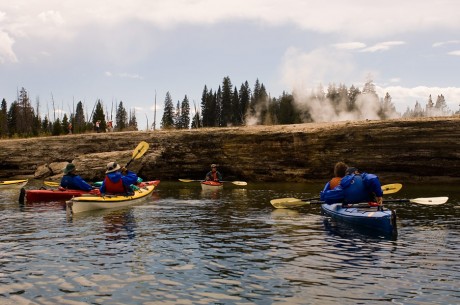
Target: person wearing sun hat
x,y
117,179
72,181
213,174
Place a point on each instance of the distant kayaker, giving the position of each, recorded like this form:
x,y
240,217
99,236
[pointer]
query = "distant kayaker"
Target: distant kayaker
x,y
354,187
117,179
72,181
214,174
340,170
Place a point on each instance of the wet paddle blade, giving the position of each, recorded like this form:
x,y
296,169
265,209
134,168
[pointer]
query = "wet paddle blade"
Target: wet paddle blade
x,y
391,188
286,203
51,183
240,183
140,150
430,200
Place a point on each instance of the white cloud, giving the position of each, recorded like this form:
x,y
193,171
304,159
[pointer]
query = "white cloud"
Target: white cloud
x,y
456,53
383,46
6,48
440,44
349,45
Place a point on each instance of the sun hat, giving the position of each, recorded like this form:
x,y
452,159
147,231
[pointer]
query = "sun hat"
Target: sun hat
x,y
70,167
213,165
112,167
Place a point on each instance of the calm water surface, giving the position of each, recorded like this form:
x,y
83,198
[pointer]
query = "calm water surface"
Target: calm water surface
x,y
183,246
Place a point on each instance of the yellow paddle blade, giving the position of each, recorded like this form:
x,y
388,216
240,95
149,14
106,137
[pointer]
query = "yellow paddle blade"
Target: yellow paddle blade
x,y
51,183
239,182
285,203
187,180
391,188
140,150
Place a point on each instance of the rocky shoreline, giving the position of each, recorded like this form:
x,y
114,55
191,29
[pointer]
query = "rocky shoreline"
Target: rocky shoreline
x,y
403,150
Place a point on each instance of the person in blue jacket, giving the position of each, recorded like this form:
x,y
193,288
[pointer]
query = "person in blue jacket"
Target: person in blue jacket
x,y
72,181
117,180
355,187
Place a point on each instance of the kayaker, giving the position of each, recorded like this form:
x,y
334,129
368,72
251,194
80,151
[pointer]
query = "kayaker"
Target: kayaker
x,y
117,179
354,187
214,174
340,169
72,181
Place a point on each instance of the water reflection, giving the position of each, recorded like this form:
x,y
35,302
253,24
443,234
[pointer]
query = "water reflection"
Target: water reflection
x,y
186,247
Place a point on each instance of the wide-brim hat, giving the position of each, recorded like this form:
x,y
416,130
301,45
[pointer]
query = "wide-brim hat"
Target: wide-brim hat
x,y
70,167
213,165
112,167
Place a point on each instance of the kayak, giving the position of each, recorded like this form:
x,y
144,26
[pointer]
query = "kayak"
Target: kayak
x,y
370,217
91,202
59,194
211,185
12,184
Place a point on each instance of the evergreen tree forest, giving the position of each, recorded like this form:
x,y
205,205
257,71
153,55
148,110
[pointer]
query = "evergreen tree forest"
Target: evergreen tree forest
x,y
21,119
224,106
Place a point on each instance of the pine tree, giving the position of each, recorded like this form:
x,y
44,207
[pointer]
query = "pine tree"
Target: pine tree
x,y
244,98
99,116
185,113
176,119
167,121
79,124
132,120
121,118
65,124
226,102
3,119
57,128
237,118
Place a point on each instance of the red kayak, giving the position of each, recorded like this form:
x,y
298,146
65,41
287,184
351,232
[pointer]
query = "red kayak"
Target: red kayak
x,y
59,194
211,185
63,194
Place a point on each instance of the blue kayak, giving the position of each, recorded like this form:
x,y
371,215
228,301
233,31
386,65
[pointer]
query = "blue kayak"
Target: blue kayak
x,y
372,218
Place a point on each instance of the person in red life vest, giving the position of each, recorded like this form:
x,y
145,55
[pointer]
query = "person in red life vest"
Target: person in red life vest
x,y
213,175
117,180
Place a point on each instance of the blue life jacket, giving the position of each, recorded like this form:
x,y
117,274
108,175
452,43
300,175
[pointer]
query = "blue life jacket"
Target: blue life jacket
x,y
354,189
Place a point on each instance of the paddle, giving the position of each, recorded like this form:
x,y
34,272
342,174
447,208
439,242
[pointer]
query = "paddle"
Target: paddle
x,y
425,201
234,182
139,151
283,203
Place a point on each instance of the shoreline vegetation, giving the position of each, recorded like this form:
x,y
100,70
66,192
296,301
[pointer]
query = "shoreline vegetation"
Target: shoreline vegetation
x,y
224,107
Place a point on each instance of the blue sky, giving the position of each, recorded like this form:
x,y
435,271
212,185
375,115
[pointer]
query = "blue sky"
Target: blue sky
x,y
128,50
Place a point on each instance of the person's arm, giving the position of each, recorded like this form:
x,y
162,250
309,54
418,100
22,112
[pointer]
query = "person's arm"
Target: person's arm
x,y
82,184
129,178
373,183
219,176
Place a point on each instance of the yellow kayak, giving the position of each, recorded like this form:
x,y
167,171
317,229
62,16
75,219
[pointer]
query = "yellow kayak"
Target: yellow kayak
x,y
89,203
12,184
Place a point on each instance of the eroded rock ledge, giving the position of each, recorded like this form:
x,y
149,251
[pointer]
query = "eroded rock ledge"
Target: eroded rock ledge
x,y
402,150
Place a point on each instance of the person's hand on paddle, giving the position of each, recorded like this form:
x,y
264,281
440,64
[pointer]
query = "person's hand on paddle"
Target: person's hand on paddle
x,y
379,200
124,170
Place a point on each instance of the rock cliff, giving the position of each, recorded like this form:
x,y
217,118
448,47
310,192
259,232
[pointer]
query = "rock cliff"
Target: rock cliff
x,y
400,150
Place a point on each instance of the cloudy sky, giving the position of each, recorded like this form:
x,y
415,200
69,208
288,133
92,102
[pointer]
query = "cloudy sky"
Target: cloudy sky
x,y
129,50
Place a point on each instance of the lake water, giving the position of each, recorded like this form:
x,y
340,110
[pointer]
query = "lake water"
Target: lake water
x,y
183,246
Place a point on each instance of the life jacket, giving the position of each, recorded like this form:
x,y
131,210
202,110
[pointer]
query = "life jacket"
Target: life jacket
x,y
114,187
334,182
354,190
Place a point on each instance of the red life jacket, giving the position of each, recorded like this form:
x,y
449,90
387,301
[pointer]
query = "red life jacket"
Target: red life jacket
x,y
114,187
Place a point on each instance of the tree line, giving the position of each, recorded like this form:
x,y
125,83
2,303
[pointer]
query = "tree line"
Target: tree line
x,y
225,106
230,106
21,119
